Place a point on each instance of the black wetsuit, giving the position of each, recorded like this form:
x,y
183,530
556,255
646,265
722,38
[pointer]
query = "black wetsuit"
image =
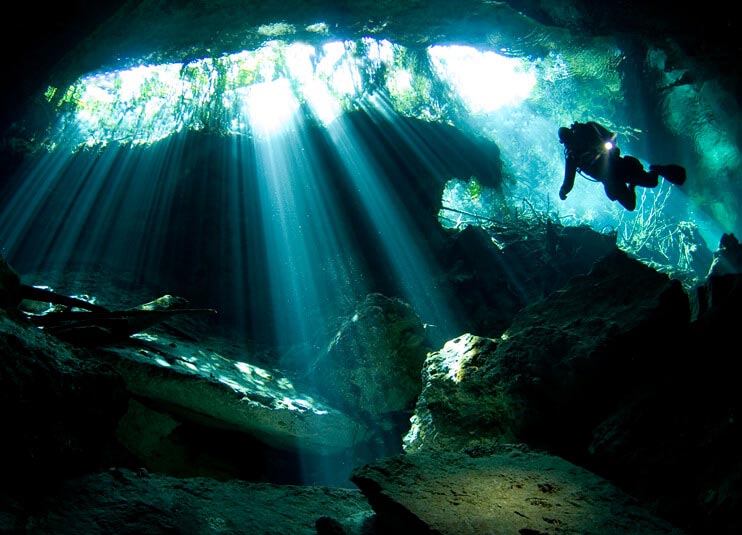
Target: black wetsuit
x,y
585,151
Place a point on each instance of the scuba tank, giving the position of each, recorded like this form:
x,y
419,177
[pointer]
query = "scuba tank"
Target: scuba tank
x,y
589,143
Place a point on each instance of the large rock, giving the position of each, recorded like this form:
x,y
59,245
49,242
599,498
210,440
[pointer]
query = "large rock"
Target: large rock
x,y
59,408
687,417
213,388
170,399
507,489
490,274
10,286
451,412
125,502
609,373
727,259
561,367
372,366
719,296
568,360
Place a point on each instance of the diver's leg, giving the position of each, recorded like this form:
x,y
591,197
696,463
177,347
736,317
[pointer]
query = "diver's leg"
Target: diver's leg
x,y
645,179
633,172
619,191
627,197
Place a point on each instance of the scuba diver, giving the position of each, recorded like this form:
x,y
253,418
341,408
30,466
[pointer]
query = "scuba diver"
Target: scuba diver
x,y
589,148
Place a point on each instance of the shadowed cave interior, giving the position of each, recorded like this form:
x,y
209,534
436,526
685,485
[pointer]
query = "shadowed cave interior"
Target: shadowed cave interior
x,y
326,284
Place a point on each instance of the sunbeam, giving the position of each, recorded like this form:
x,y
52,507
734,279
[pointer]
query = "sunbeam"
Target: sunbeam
x,y
402,244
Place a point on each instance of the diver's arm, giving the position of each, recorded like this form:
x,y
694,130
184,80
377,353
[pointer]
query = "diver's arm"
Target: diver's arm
x,y
570,168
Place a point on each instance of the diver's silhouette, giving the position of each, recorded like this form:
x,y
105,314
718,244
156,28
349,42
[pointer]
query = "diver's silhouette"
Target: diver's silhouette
x,y
590,149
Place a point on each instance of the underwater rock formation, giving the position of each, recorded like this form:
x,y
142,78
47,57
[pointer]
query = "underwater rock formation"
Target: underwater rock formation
x,y
59,408
500,489
455,409
727,258
576,354
561,366
125,501
602,373
383,334
206,387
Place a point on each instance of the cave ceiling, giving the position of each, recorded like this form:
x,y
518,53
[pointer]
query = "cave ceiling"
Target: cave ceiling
x,y
70,39
59,43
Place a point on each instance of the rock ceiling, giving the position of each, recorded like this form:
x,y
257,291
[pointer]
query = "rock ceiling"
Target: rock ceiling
x,y
67,41
73,38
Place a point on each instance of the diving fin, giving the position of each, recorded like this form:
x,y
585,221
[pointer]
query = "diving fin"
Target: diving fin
x,y
672,173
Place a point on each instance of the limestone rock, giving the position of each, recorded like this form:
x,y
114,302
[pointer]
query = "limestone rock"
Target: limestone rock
x,y
724,283
451,410
504,489
59,410
10,285
372,366
568,359
561,366
727,258
123,501
204,386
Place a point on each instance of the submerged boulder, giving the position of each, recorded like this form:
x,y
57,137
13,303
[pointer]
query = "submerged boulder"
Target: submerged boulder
x,y
59,408
124,501
372,367
502,489
572,357
164,402
10,285
452,412
211,387
727,259
561,367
